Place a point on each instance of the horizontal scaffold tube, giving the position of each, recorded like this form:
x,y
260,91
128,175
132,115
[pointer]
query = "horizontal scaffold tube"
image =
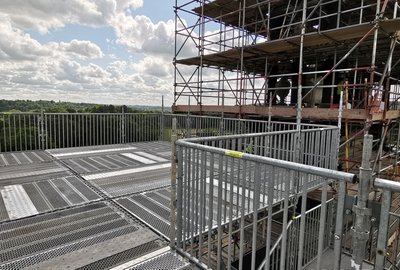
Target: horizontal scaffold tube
x,y
337,175
387,184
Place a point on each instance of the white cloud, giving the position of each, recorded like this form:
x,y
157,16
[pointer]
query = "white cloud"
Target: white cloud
x,y
117,68
66,70
122,5
43,15
82,47
78,70
140,34
46,14
93,72
16,45
155,66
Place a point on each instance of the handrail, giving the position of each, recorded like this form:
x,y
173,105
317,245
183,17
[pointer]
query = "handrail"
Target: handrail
x,y
387,184
244,120
236,136
328,173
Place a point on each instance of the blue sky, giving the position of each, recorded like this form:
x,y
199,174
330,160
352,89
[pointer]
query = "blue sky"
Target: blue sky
x,y
101,51
158,10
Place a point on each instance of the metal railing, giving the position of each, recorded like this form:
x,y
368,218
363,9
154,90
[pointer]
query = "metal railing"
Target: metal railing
x,y
317,145
20,131
313,219
311,240
31,131
203,126
266,138
387,245
235,194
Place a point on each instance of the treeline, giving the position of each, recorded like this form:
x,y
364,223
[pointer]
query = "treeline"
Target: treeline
x,y
69,107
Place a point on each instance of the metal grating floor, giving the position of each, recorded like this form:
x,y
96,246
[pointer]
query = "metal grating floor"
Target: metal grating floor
x,y
62,209
62,153
152,208
24,173
168,260
101,162
133,182
57,236
26,157
26,199
163,258
123,256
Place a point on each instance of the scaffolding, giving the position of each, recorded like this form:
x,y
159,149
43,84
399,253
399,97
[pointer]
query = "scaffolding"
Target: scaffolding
x,y
293,60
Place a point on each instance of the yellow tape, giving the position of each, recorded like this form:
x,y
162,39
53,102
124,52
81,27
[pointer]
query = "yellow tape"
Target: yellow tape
x,y
235,154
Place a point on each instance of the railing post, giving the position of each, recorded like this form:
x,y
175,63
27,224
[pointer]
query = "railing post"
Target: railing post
x,y
173,185
339,226
221,125
396,157
42,133
362,223
322,220
340,201
123,138
383,230
222,120
162,120
188,120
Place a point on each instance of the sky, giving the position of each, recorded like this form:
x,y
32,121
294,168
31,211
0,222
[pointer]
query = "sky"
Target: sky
x,y
94,51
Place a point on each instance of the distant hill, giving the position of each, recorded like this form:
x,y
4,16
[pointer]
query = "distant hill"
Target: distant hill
x,y
53,106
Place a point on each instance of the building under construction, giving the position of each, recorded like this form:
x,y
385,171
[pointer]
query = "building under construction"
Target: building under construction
x,y
293,59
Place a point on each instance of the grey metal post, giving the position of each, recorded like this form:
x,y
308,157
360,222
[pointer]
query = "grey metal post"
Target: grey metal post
x,y
378,159
373,54
340,116
299,90
339,226
173,185
188,120
285,220
42,131
322,223
302,222
383,230
340,201
123,138
300,75
256,206
362,223
269,111
222,120
162,119
397,146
